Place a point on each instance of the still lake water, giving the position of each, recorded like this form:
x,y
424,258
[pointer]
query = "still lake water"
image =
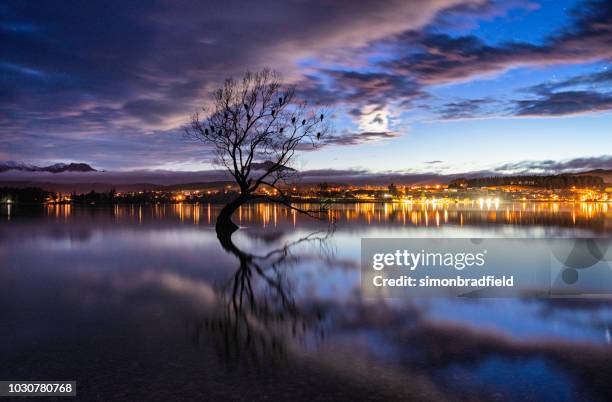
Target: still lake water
x,y
143,302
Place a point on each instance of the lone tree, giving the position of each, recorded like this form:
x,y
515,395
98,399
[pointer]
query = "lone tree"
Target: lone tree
x,y
255,127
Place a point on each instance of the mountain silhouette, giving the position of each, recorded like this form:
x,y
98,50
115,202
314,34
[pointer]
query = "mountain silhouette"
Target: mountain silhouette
x,y
55,168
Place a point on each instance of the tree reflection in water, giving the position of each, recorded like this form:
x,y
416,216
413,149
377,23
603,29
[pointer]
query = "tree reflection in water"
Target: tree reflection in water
x,y
259,322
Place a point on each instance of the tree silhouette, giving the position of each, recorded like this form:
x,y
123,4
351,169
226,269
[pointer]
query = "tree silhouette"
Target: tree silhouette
x,y
255,127
259,325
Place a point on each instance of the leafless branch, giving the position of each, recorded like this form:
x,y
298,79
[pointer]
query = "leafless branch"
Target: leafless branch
x,y
255,126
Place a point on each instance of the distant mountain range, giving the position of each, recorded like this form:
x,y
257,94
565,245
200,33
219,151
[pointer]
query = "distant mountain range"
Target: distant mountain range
x,y
83,178
55,168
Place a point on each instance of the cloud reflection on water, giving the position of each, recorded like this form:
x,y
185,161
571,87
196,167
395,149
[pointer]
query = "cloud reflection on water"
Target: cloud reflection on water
x,y
105,266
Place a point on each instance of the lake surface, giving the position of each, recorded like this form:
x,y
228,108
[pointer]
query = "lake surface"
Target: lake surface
x,y
143,302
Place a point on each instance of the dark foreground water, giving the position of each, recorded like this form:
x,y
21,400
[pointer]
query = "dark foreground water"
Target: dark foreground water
x,y
143,303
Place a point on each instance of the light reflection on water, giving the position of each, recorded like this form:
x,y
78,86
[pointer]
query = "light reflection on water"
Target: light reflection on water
x,y
594,216
149,291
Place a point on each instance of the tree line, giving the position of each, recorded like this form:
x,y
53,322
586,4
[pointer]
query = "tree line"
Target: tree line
x,y
562,181
35,195
28,195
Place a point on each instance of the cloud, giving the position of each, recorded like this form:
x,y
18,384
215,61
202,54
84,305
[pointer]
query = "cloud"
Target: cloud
x,y
124,67
592,81
122,150
158,51
152,111
441,58
586,93
465,109
466,15
364,177
114,81
360,138
367,94
372,88
556,167
565,103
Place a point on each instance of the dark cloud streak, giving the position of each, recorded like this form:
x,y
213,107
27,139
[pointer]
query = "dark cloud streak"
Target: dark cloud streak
x,y
565,103
360,138
555,167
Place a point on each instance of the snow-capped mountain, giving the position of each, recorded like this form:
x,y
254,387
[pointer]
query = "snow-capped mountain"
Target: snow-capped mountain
x,y
55,168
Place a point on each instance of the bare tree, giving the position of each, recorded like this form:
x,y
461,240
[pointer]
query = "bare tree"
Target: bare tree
x,y
255,127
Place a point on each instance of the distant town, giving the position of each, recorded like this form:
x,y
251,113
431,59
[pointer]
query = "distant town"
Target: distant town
x,y
561,188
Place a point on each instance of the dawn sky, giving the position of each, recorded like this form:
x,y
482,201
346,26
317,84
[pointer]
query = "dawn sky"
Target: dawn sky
x,y
419,86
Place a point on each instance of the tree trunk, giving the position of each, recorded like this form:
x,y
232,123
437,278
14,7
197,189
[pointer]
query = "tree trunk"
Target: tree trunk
x,y
224,220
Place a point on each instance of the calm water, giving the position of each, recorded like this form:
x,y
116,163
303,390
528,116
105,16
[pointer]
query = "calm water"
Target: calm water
x,y
144,302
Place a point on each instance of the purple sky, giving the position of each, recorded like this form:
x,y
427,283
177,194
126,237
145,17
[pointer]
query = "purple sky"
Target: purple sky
x,y
416,86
